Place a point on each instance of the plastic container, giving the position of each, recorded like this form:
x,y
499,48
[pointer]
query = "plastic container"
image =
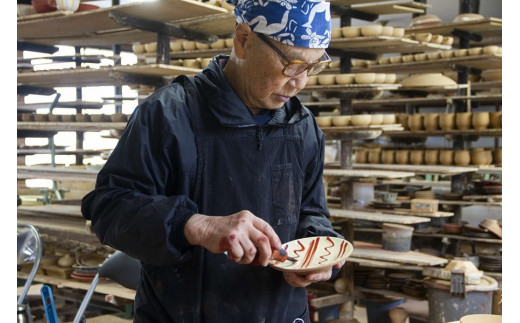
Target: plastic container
x,y
397,237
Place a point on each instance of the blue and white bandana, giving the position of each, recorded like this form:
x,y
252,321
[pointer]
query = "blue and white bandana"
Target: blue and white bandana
x,y
304,23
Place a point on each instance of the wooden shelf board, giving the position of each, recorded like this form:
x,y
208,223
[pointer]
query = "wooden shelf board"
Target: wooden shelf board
x,y
469,203
487,25
419,169
418,183
376,252
27,172
66,228
382,264
340,129
221,24
441,133
104,287
70,126
355,88
403,7
490,169
340,214
384,44
89,152
203,53
104,76
400,211
388,292
74,28
353,2
52,209
481,62
67,104
366,173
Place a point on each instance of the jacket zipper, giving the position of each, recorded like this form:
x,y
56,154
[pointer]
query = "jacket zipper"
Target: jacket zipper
x,y
260,137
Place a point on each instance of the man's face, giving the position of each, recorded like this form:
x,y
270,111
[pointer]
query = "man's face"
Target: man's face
x,y
265,87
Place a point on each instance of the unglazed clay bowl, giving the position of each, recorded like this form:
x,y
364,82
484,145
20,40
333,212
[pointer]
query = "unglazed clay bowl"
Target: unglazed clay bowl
x,y
389,118
387,31
189,45
398,32
371,30
313,254
380,78
448,41
461,52
407,58
423,37
390,78
313,80
220,43
335,33
341,121
467,17
475,51
365,78
345,78
447,54
150,47
433,56
376,119
326,79
491,49
481,318
324,121
200,45
437,39
361,119
138,48
229,42
176,45
351,31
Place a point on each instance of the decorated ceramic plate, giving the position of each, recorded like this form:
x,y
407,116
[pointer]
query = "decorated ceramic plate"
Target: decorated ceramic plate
x,y
313,254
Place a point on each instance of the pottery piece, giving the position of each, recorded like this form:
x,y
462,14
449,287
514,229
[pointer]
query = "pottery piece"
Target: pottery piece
x,y
313,254
490,49
492,75
398,315
415,122
23,10
229,42
407,58
480,120
204,62
41,6
41,117
68,118
467,17
55,117
496,119
402,157
191,62
66,261
324,121
358,63
478,157
423,37
433,56
387,31
427,79
447,121
384,60
313,80
380,78
326,79
341,121
461,52
99,118
437,39
361,156
497,156
176,45
431,121
446,157
431,157
365,78
81,117
425,20
150,47
344,78
374,156
371,30
189,45
334,64
481,318
376,119
389,118
396,59
67,6
335,33
361,119
390,78
341,285
417,157
220,43
388,156
447,41
351,31
475,51
402,119
492,225
138,48
200,45
398,32
447,54
462,157
419,57
463,120
397,237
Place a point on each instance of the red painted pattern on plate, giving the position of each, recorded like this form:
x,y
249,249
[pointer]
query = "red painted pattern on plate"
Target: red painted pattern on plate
x,y
310,254
324,257
299,250
342,249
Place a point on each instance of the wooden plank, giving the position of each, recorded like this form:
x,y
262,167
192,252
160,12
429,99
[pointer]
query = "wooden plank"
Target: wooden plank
x,y
382,264
108,319
59,209
435,101
104,287
62,228
393,8
157,70
386,127
352,88
94,22
366,173
26,172
414,182
442,133
330,300
70,126
353,2
384,44
376,252
340,214
487,25
419,169
66,104
400,211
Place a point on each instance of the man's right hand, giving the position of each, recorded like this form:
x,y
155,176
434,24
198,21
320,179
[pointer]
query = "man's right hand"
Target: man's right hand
x,y
242,235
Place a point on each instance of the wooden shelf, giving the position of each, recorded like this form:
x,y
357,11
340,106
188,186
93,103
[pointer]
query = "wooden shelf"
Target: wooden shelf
x,y
374,251
441,133
419,169
351,88
25,152
426,101
67,104
103,76
412,182
481,62
340,214
469,203
366,173
353,2
485,27
104,287
394,8
203,53
70,126
96,28
384,44
59,174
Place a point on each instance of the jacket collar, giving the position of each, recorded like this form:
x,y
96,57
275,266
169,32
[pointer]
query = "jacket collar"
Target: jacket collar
x,y
230,110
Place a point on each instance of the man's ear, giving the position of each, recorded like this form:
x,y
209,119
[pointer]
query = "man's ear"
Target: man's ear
x,y
242,40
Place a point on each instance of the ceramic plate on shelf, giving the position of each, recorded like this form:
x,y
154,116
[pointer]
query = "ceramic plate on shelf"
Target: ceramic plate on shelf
x,y
313,254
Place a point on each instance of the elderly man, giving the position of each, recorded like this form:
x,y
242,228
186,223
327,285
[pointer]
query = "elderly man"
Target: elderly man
x,y
214,172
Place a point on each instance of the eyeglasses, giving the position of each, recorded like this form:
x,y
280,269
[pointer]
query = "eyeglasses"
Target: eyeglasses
x,y
295,67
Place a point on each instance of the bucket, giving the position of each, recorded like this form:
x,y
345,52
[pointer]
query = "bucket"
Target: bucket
x,y
397,237
377,309
444,307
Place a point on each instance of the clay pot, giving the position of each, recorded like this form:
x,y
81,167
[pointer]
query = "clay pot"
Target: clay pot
x,y
41,117
324,121
341,285
341,121
478,157
417,157
480,120
446,157
447,121
462,157
402,119
374,156
497,156
402,157
376,119
388,156
431,121
397,315
431,157
66,261
463,120
496,119
415,122
361,156
389,119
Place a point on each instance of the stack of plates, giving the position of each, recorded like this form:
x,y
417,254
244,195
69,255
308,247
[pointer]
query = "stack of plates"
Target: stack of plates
x,y
397,280
414,287
361,276
490,263
377,280
424,194
84,273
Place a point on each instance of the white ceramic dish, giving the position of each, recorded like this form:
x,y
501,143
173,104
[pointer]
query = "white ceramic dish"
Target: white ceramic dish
x,y
314,254
481,318
427,79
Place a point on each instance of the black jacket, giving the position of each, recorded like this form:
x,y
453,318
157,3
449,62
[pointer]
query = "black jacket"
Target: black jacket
x,y
194,147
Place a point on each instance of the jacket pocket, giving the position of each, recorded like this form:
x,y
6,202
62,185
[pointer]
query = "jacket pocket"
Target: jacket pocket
x,y
284,194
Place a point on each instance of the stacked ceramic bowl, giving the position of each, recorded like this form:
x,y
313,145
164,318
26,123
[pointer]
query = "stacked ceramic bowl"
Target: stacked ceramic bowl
x,y
397,280
426,194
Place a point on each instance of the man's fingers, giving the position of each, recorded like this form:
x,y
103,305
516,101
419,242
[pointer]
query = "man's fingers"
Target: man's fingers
x,y
268,231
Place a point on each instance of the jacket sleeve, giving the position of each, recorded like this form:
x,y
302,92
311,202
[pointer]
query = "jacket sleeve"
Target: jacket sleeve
x,y
132,208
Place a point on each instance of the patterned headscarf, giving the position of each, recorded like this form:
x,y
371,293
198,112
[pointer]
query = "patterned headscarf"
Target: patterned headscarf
x,y
304,23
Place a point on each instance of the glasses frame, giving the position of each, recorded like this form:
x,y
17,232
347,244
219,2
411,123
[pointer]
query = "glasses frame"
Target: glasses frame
x,y
288,61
